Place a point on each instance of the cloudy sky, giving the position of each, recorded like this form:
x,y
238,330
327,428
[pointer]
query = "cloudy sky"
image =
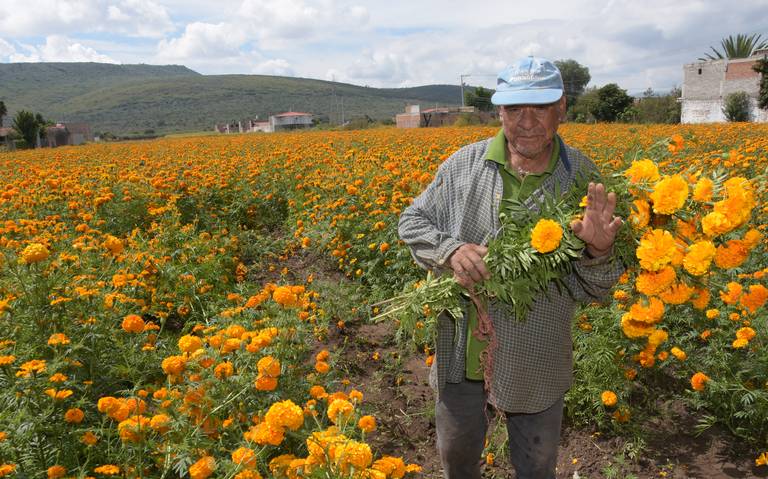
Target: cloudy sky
x,y
386,43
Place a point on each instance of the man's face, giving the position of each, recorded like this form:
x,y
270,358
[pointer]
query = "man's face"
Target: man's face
x,y
530,128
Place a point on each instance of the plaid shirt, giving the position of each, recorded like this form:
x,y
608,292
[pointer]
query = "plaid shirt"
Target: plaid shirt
x,y
534,360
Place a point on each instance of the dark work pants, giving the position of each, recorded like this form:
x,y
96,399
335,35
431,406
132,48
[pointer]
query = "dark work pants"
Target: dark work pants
x,y
461,417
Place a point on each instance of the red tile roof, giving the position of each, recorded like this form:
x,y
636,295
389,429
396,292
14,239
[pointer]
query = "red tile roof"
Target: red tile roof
x,y
293,113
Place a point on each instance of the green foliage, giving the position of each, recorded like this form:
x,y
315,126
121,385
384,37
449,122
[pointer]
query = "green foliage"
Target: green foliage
x,y
480,98
27,125
740,46
611,103
736,106
3,112
581,112
652,108
761,66
575,78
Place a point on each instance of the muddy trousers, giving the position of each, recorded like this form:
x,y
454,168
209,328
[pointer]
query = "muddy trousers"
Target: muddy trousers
x,y
461,417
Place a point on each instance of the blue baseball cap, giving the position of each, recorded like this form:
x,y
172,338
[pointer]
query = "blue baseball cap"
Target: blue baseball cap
x,y
530,81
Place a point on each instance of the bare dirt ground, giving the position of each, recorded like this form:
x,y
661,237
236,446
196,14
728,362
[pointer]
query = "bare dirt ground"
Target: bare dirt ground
x,y
397,393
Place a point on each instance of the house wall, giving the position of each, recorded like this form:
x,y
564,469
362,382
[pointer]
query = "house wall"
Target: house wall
x,y
408,120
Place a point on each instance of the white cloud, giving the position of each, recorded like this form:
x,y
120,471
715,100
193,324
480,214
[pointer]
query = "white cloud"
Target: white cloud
x,y
30,18
6,49
202,41
278,66
58,48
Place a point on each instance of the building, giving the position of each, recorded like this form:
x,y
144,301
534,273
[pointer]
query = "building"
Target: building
x,y
415,117
290,120
706,84
6,139
62,134
255,125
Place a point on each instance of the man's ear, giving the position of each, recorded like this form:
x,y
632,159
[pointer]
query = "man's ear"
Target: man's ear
x,y
563,109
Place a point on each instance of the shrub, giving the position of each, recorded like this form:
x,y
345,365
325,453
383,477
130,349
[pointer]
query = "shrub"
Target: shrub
x,y
736,106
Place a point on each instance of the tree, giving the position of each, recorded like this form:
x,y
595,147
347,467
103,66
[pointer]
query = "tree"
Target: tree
x,y
736,106
761,67
653,108
27,126
480,98
575,79
741,46
3,112
611,102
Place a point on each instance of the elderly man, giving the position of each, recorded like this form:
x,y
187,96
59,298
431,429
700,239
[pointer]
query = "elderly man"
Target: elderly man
x,y
446,228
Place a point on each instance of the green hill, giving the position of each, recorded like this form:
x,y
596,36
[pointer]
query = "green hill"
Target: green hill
x,y
126,99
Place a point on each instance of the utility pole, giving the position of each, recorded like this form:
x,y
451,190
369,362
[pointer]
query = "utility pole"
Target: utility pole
x,y
461,79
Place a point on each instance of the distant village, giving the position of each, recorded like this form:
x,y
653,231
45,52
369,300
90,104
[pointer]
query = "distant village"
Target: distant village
x,y
705,86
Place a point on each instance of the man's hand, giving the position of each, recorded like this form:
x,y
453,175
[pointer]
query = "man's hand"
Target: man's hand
x,y
468,265
598,227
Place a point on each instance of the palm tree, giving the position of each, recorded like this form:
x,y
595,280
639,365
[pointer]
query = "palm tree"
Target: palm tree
x,y
742,46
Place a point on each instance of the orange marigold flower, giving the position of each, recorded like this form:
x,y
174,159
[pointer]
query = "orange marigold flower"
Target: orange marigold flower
x,y
703,190
715,224
699,257
546,236
245,457
133,324
113,244
762,459
698,381
265,433
353,454
266,383
340,410
189,343
656,250
89,439
107,470
393,467
641,214
658,337
678,293
74,415
224,370
173,365
160,423
54,472
669,194
650,311
285,414
609,398
322,367
739,343
746,333
712,313
58,338
651,283
755,298
678,353
733,293
633,328
317,392
732,254
367,424
752,238
269,366
203,468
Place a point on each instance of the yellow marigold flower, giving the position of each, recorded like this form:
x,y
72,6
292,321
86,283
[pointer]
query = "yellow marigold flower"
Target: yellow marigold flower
x,y
755,298
317,392
113,244
739,343
746,333
248,474
712,313
173,365
35,253
635,329
640,215
669,194
34,366
6,360
678,353
698,381
107,470
54,472
762,459
340,410
284,296
133,323
280,465
203,468
74,415
189,343
732,254
355,395
322,367
652,283
732,294
715,224
699,257
642,171
244,457
546,236
393,467
58,395
58,338
353,454
265,383
649,312
367,424
703,190
133,428
285,414
658,337
656,250
609,398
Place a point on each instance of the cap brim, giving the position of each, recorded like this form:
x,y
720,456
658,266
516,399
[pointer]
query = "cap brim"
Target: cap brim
x,y
527,97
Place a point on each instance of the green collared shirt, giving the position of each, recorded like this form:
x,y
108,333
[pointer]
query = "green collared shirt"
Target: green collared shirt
x,y
515,188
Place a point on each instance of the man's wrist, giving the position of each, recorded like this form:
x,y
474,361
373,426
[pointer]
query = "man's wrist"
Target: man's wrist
x,y
593,253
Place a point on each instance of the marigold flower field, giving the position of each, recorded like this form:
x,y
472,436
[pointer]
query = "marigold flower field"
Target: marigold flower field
x,y
153,324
